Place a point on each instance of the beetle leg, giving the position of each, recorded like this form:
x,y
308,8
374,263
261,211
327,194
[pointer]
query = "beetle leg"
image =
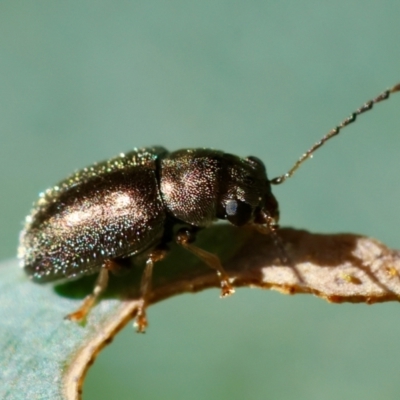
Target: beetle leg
x,y
145,289
283,256
185,238
90,300
269,227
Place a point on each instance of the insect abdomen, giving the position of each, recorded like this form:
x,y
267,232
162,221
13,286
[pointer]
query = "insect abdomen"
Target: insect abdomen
x,y
105,211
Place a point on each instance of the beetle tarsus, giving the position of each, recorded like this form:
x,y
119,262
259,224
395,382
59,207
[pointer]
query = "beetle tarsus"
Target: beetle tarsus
x,y
81,313
226,289
141,318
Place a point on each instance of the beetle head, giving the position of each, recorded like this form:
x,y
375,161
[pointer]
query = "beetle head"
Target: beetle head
x,y
245,193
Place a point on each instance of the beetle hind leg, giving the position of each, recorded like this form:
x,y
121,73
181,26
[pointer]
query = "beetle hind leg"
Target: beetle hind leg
x,y
185,238
100,286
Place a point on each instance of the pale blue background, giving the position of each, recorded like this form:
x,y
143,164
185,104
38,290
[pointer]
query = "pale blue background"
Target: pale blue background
x,y
81,81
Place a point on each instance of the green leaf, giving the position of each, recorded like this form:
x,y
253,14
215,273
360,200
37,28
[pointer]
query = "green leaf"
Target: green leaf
x,y
45,356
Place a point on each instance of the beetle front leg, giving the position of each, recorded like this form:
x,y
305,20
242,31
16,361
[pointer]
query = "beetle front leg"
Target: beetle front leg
x,y
267,225
145,289
185,238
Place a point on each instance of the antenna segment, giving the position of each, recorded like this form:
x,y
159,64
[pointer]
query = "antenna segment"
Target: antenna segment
x,y
335,131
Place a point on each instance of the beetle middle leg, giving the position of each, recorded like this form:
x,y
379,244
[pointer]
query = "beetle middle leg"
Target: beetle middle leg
x,y
145,288
185,237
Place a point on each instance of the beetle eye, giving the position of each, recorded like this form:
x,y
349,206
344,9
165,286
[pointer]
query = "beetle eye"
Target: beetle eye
x,y
238,212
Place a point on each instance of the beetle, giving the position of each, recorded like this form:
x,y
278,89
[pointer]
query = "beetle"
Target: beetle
x,y
138,202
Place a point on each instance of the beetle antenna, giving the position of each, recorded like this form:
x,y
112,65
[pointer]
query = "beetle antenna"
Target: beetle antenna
x,y
366,107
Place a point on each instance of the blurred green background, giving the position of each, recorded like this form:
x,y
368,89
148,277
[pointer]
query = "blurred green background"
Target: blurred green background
x,y
81,81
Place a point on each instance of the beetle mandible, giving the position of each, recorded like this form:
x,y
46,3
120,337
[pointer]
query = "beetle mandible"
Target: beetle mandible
x,y
140,201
